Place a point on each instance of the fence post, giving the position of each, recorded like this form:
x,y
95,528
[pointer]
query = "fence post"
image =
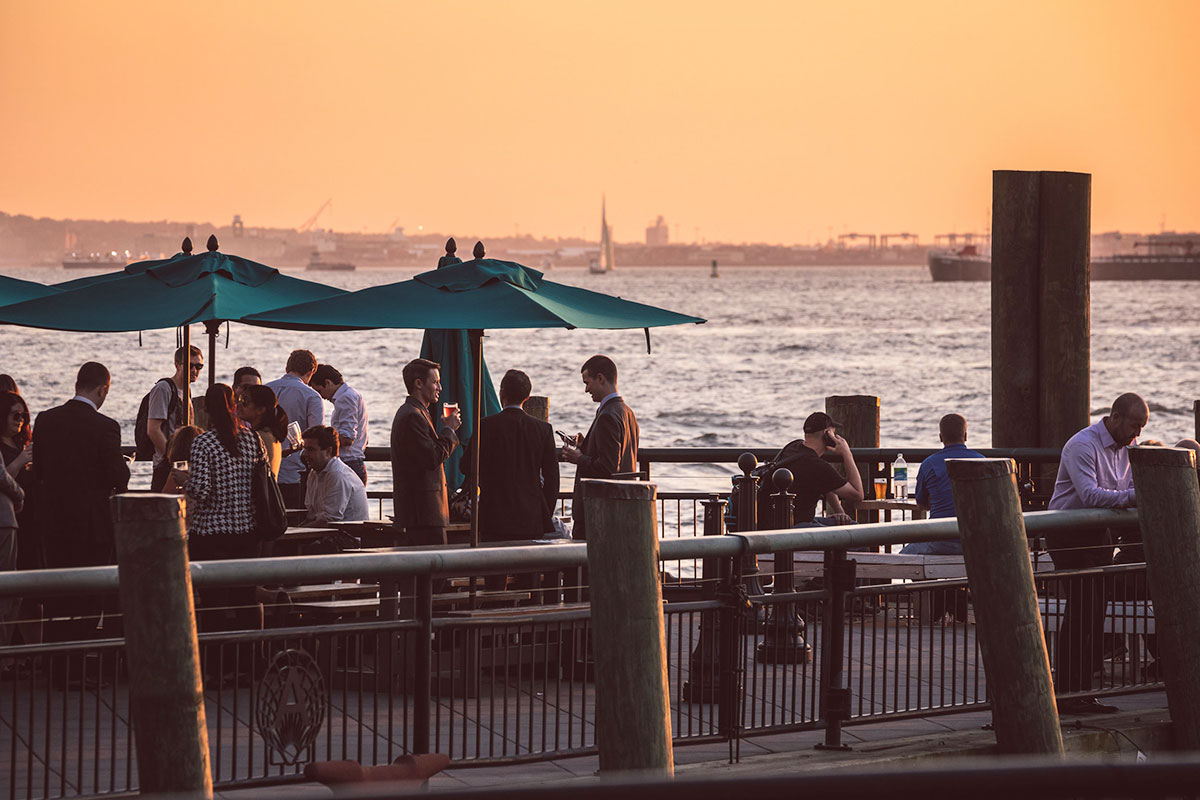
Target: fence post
x,y
783,637
1168,499
835,697
633,709
704,664
423,678
166,694
1008,619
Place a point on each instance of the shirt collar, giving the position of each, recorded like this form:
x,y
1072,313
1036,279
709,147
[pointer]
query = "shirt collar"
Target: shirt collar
x,y
83,399
605,400
1106,439
337,391
517,407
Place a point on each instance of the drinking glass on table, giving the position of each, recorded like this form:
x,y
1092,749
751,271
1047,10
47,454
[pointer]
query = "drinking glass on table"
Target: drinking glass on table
x,y
880,488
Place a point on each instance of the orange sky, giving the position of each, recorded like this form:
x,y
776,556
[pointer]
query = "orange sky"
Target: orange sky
x,y
750,121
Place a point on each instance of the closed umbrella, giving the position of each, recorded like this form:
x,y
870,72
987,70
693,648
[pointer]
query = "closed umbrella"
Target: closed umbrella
x,y
474,295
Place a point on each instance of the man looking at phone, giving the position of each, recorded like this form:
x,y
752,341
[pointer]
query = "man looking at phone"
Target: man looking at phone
x,y
349,417
303,406
611,445
815,478
419,449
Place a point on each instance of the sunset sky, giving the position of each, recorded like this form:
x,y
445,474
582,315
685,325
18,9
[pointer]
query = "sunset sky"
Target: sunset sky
x,y
747,121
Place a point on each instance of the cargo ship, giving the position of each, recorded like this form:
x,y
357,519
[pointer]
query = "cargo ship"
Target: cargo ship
x,y
93,261
1166,257
315,263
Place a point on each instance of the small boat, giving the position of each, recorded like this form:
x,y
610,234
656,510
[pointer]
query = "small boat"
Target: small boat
x,y
92,261
340,266
605,262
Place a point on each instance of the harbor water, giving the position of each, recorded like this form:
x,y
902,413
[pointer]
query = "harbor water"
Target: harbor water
x,y
777,342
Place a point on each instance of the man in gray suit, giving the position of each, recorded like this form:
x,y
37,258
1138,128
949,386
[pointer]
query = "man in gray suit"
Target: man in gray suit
x,y
611,444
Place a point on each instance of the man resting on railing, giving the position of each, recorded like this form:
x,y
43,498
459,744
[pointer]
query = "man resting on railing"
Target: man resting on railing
x,y
1093,473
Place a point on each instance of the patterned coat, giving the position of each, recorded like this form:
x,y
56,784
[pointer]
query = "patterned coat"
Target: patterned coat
x,y
218,486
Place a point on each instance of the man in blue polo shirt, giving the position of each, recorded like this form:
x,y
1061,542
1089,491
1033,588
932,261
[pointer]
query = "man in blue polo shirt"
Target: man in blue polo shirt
x,y
933,484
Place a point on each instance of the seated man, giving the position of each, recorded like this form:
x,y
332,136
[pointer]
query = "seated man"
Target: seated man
x,y
814,478
933,484
335,493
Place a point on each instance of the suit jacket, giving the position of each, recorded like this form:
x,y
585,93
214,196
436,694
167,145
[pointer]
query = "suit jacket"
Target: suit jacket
x,y
518,476
77,466
610,446
418,482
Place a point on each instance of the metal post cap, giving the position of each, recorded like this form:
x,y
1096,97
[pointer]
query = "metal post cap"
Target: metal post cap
x,y
747,462
212,243
186,246
782,479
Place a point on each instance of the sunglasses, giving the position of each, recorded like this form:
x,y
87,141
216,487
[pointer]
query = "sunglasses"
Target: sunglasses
x,y
194,365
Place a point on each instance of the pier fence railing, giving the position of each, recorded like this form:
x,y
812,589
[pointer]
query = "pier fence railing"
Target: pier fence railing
x,y
501,685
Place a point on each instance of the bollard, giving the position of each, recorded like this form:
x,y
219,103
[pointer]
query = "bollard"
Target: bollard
x,y
1008,621
859,415
633,712
1168,501
538,407
166,695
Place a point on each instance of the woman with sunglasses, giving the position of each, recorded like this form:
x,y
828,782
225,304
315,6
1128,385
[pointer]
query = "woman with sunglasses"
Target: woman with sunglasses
x,y
16,449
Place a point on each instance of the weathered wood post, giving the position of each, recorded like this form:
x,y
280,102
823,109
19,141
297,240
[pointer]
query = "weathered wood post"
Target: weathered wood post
x,y
166,695
859,415
1196,416
1168,501
538,407
633,710
1008,621
1041,227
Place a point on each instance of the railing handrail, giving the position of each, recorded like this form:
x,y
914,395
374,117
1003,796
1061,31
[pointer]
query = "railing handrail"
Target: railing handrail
x,y
529,558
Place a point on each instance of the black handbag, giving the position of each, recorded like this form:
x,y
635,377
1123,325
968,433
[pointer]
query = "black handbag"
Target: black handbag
x,y
270,514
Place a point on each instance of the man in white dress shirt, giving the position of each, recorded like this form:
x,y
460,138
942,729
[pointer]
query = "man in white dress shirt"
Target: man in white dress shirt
x,y
334,494
349,417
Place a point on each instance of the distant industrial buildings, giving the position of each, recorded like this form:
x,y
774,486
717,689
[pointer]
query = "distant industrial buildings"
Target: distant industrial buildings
x,y
656,234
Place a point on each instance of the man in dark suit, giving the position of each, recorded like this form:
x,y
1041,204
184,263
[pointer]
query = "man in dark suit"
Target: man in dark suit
x,y
518,468
611,444
418,451
77,466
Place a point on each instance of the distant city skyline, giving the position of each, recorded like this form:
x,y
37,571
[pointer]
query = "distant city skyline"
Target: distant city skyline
x,y
781,123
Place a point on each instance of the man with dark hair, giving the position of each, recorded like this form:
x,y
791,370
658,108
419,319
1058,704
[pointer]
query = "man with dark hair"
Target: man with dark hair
x,y
813,478
518,468
610,447
334,493
349,417
303,406
164,412
77,466
246,376
419,449
1092,473
933,484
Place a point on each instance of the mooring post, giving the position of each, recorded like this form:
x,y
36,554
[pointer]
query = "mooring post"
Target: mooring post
x,y
1168,501
633,711
1008,620
538,407
166,695
859,415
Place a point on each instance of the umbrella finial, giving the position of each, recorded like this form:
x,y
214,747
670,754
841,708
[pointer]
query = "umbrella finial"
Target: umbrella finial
x,y
186,247
212,243
451,246
479,252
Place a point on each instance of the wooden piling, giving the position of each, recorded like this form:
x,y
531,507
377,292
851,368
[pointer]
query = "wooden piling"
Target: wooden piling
x,y
1064,212
1008,620
1196,417
1168,502
633,712
166,695
538,407
859,415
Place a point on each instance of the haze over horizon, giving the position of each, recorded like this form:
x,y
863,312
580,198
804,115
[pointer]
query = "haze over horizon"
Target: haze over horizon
x,y
775,123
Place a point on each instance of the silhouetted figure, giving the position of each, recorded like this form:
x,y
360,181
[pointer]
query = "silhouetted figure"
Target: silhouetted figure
x,y
449,258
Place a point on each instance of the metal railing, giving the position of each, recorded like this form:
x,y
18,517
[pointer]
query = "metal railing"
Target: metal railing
x,y
500,685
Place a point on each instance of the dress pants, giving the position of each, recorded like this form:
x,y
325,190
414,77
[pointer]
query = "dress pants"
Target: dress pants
x,y
1079,651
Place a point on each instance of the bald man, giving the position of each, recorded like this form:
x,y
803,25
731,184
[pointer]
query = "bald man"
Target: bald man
x,y
1093,473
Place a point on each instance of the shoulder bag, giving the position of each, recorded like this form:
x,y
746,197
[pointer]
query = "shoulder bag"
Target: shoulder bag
x,y
270,514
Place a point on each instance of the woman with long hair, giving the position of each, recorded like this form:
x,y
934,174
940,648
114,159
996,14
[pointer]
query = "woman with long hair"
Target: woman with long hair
x,y
179,448
257,407
16,450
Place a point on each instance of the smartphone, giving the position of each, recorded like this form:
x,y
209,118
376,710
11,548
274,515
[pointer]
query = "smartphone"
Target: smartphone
x,y
566,439
830,439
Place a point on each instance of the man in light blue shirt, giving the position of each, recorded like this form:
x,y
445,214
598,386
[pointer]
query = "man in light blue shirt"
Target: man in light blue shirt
x,y
303,406
349,417
933,484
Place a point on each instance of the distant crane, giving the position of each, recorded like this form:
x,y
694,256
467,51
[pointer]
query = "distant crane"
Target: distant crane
x,y
311,221
870,237
883,238
951,239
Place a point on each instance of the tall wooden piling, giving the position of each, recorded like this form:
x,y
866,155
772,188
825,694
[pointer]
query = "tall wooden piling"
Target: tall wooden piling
x,y
538,407
1008,620
166,695
633,712
1168,501
1041,228
859,415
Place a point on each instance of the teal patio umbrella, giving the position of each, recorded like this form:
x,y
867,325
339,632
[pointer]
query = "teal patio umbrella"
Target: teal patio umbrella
x,y
15,290
473,296
210,287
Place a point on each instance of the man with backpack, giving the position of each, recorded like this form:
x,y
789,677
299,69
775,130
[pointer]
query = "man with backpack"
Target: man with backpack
x,y
161,412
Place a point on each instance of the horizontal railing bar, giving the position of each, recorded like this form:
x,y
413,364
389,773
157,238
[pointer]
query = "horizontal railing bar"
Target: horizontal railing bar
x,y
530,558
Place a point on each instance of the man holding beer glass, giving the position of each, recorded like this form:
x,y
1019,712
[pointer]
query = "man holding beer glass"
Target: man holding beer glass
x,y
420,445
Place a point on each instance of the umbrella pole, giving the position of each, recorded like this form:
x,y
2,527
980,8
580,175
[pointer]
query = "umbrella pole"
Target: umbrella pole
x,y
187,386
211,328
476,414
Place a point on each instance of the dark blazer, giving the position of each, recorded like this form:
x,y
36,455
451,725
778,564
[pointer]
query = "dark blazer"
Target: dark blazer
x,y
77,466
610,446
518,476
418,482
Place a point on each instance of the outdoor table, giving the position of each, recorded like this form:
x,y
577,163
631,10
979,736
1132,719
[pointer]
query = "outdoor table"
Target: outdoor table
x,y
890,505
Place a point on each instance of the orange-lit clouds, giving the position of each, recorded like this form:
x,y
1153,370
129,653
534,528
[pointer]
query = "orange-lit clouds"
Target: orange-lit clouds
x,y
750,121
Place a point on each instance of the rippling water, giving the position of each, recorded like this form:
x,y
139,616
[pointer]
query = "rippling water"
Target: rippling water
x,y
777,342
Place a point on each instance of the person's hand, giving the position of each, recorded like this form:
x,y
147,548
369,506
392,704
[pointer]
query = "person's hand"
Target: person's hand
x,y
24,457
454,421
842,448
571,453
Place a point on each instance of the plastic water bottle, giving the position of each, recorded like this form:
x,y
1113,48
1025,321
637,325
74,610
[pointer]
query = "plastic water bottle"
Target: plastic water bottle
x,y
900,478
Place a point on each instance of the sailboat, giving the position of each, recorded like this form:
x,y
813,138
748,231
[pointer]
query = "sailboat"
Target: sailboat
x,y
605,263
